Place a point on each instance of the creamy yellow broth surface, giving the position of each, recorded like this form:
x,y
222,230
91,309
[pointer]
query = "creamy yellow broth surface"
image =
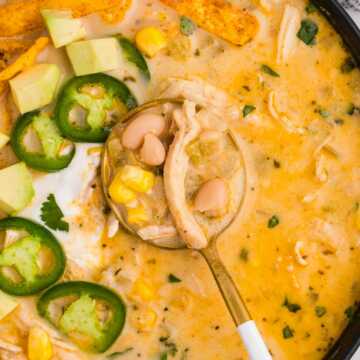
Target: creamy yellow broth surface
x,y
295,259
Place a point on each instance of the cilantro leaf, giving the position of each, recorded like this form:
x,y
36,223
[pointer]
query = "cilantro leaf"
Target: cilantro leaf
x,y
273,222
173,279
248,109
119,353
320,311
288,332
268,70
308,32
292,307
52,215
187,26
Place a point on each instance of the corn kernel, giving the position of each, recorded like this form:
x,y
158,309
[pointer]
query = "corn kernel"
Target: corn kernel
x,y
137,215
137,179
143,290
145,319
150,40
39,345
119,192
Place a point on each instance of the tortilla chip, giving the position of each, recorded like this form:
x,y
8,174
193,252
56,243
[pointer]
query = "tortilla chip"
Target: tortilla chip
x,y
10,46
219,17
25,60
22,62
116,14
25,14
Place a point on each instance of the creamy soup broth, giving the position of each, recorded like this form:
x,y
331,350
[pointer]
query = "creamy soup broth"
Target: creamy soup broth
x,y
300,243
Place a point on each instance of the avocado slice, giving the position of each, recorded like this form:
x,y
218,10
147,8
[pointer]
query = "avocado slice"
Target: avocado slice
x,y
7,304
94,56
16,188
4,139
35,87
62,28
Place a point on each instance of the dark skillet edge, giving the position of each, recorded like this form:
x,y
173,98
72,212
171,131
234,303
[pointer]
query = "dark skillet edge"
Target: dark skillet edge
x,y
343,24
349,341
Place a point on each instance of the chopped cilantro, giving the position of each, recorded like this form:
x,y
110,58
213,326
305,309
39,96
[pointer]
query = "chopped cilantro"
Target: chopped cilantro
x,y
248,109
348,65
351,109
273,222
268,70
116,354
320,311
339,121
277,164
52,215
187,26
163,356
287,332
322,112
244,255
310,8
308,32
350,312
292,307
173,279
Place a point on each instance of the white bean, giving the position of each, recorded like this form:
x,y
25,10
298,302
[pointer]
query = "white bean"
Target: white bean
x,y
153,151
213,196
133,135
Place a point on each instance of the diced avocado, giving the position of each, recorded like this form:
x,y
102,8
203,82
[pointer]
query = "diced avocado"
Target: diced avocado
x,y
50,137
4,139
35,87
16,189
7,304
23,255
94,56
81,317
62,27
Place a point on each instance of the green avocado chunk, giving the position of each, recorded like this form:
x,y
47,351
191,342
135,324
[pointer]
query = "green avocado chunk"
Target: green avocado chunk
x,y
16,188
62,27
50,137
81,317
94,56
23,255
35,87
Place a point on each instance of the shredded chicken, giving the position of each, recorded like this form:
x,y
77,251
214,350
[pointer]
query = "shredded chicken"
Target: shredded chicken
x,y
10,347
282,118
321,172
287,39
300,257
113,225
175,170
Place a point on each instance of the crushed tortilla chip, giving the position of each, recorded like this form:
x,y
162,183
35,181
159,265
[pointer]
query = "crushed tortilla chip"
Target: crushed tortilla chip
x,y
219,17
117,13
25,14
11,46
25,60
22,62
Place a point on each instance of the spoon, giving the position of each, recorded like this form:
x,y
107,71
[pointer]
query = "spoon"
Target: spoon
x,y
252,339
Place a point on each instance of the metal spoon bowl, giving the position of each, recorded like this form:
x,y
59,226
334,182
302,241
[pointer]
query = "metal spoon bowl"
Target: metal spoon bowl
x,y
235,304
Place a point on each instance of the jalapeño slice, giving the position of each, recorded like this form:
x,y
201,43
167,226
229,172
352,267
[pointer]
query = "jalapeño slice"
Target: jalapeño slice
x,y
37,141
32,261
91,315
88,106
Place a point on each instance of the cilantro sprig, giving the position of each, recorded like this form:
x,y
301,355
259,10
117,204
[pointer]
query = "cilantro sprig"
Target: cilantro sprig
x,y
52,215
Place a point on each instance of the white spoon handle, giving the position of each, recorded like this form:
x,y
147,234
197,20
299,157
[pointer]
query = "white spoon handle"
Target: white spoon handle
x,y
253,341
